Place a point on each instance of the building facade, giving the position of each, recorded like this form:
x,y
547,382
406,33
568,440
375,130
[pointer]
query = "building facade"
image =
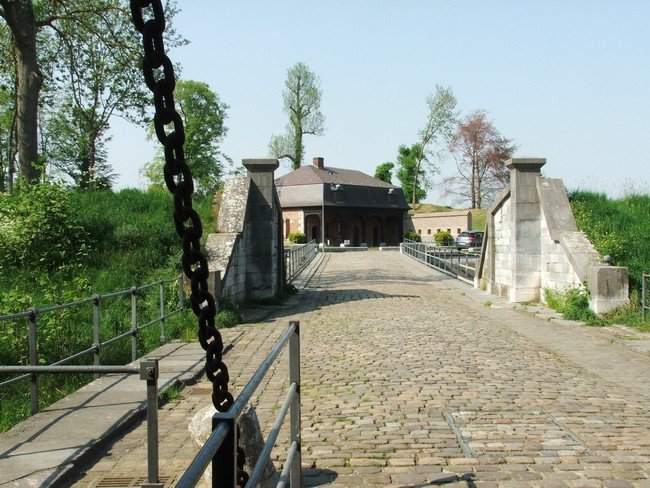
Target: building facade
x,y
428,224
341,207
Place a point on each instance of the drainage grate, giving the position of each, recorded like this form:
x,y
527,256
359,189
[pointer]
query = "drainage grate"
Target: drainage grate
x,y
533,434
130,481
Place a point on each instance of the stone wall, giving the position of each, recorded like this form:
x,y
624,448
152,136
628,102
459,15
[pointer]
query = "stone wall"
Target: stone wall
x,y
427,224
532,243
246,254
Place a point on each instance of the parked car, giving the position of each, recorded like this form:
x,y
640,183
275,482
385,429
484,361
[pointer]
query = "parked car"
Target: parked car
x,y
467,239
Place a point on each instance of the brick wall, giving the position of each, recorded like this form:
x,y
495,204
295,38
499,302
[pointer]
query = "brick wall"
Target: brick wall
x,y
427,224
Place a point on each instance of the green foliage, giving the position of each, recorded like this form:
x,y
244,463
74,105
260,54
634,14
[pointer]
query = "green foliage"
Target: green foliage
x,y
40,230
301,103
443,238
618,228
407,167
413,236
573,304
130,240
204,116
229,315
297,238
384,172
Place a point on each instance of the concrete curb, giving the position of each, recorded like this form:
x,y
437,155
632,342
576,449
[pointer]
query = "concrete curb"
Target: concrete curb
x,y
49,447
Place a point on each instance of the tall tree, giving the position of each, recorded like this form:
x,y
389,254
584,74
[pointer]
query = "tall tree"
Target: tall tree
x,y
203,114
301,102
98,73
384,172
408,166
7,145
480,152
87,49
439,126
19,16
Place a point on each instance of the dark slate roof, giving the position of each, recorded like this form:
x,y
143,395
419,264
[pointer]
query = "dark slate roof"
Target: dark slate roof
x,y
310,186
311,175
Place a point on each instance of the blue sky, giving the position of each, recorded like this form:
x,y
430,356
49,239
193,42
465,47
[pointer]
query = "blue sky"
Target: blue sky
x,y
568,81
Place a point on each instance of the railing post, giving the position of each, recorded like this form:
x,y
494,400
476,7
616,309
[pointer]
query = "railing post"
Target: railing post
x,y
181,293
163,339
134,323
33,361
149,371
644,294
224,462
295,433
96,337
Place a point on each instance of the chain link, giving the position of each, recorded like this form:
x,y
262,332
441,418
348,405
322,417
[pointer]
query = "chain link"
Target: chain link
x,y
178,178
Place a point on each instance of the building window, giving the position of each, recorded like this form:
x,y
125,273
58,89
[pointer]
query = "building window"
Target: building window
x,y
429,231
287,228
419,231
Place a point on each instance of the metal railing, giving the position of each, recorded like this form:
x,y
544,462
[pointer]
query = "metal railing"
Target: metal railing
x,y
221,447
95,349
644,295
148,370
458,263
298,257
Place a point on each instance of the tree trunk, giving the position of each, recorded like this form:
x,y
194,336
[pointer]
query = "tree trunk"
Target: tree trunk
x,y
20,19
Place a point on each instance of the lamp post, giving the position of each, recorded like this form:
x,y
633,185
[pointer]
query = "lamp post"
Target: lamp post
x,y
330,174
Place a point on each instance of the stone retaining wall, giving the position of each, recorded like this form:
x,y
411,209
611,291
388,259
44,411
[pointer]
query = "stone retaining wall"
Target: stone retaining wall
x,y
532,243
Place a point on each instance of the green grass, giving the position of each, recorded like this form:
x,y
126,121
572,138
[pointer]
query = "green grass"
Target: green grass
x,y
130,240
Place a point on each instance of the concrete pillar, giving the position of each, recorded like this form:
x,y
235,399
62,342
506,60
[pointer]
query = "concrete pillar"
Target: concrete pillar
x,y
525,240
261,230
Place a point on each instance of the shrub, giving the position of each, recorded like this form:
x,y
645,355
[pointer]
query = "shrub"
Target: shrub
x,y
39,229
573,304
297,238
413,236
443,238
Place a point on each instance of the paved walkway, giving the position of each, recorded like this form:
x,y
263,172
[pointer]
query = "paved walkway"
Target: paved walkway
x,y
413,379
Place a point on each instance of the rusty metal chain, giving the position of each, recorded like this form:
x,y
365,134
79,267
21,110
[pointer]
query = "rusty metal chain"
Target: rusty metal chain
x,y
178,178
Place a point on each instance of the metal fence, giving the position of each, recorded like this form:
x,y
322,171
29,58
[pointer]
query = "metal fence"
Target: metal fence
x,y
148,370
221,447
458,263
644,295
298,257
95,348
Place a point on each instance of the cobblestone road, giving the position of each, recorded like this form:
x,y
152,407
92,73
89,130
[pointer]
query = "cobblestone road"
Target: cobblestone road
x,y
408,379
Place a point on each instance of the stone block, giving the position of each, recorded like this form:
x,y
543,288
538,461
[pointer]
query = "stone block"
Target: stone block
x,y
251,441
608,286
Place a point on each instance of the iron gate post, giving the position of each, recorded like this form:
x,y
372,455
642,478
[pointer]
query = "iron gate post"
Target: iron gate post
x,y
295,431
224,462
149,371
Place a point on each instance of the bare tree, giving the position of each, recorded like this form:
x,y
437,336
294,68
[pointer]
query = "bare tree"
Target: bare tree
x,y
480,151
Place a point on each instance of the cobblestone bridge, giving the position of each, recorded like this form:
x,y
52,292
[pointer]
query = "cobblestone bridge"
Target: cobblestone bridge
x,y
412,379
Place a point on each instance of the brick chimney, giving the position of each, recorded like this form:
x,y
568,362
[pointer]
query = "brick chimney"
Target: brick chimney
x,y
319,162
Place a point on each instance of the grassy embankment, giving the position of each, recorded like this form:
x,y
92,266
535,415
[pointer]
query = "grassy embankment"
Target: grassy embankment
x,y
61,246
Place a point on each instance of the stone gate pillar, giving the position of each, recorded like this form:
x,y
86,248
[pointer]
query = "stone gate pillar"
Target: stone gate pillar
x,y
262,269
525,238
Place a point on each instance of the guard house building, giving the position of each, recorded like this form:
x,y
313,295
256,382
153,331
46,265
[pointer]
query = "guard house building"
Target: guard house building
x,y
345,206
